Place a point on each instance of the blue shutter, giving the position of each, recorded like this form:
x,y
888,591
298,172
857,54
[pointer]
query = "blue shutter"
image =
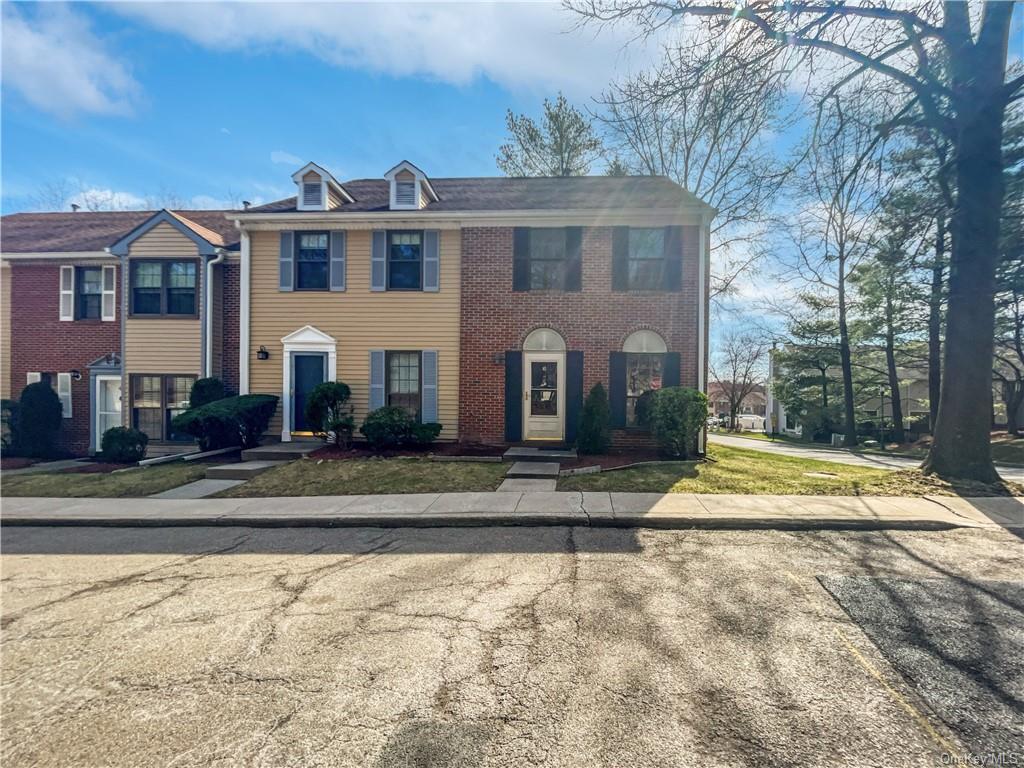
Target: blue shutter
x,y
673,274
573,259
428,389
521,259
617,388
338,246
513,396
376,379
431,260
573,394
670,369
378,261
286,268
620,259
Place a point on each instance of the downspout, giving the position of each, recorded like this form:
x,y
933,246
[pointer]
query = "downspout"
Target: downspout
x,y
208,324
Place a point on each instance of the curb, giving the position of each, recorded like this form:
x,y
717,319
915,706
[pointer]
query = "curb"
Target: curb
x,y
471,520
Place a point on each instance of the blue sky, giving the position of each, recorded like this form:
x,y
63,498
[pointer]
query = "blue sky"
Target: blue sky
x,y
213,103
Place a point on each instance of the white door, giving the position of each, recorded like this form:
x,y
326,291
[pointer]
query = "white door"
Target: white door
x,y
108,405
543,396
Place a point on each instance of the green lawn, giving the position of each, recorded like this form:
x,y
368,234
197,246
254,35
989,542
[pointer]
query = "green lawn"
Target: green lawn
x,y
141,481
737,470
357,476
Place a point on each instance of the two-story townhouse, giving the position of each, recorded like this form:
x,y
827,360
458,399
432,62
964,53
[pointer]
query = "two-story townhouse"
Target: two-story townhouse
x,y
488,304
111,307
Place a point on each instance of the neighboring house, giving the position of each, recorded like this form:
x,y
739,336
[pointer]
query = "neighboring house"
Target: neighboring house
x,y
754,404
490,305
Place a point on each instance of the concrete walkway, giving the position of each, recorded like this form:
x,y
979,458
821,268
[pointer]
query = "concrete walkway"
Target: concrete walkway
x,y
648,510
841,455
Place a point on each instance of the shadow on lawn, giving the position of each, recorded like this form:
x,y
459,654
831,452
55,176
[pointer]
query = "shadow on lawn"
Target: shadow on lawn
x,y
199,542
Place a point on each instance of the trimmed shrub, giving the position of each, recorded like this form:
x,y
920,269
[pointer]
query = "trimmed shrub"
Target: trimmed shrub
x,y
643,407
676,417
594,435
231,421
329,414
423,435
39,421
124,445
8,423
393,427
206,391
386,427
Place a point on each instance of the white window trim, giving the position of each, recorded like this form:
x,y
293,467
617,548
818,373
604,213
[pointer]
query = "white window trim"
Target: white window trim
x,y
33,377
99,380
112,294
300,204
64,393
67,293
417,196
311,340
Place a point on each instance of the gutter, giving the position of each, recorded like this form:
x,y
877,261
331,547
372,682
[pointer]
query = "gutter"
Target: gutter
x,y
208,312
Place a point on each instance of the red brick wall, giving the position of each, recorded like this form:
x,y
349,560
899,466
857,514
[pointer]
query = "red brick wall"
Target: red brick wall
x,y
41,342
230,327
595,320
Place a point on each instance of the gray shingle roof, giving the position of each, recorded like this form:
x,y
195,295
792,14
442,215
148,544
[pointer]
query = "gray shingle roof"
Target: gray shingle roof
x,y
96,230
521,194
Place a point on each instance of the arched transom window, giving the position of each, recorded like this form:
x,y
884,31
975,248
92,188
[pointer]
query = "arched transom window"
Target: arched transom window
x,y
544,340
645,341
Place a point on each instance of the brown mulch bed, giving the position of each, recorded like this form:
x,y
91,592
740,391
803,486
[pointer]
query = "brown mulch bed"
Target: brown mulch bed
x,y
94,468
16,462
609,460
362,451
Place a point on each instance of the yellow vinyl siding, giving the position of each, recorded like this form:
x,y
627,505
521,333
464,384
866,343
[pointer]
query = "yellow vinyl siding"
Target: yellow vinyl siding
x,y
163,240
5,331
167,345
359,320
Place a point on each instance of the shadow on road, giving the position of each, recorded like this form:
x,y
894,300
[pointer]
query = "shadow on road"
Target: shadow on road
x,y
296,541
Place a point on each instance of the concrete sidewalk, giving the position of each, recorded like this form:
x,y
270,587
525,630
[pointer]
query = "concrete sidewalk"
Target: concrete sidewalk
x,y
599,509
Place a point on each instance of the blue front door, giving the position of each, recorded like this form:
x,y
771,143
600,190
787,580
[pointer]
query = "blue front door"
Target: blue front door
x,y
308,371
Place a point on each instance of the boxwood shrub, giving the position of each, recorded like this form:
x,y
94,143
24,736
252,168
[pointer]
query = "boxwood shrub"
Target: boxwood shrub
x,y
124,445
39,421
393,427
231,421
676,416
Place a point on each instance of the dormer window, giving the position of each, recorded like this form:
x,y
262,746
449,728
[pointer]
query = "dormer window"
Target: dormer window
x,y
405,193
410,188
312,194
318,190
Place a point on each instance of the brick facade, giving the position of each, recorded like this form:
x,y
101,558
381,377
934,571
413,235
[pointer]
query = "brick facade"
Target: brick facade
x,y
40,341
230,326
595,321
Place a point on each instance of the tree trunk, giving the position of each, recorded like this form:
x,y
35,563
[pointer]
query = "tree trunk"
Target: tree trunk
x,y
935,324
849,427
894,381
961,447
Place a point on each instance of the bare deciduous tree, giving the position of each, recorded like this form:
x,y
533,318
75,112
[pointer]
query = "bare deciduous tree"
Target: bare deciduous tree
x,y
738,366
947,66
701,121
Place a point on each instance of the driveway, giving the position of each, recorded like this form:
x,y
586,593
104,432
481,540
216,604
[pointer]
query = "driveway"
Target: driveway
x,y
494,646
840,456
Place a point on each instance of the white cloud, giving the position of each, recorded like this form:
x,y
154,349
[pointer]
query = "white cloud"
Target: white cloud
x,y
105,199
52,58
518,45
285,158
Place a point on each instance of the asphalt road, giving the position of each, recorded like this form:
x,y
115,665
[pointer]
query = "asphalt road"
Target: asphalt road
x,y
477,647
872,460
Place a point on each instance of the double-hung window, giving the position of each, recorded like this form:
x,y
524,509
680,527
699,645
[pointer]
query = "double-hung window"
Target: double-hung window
x,y
312,261
405,261
643,374
403,381
547,259
646,259
164,288
88,293
156,399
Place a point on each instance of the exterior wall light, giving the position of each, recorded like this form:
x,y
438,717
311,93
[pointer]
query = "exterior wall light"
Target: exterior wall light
x,y
263,354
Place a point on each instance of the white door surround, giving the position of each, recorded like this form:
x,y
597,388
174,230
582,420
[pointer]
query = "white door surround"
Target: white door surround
x,y
306,339
103,381
543,390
